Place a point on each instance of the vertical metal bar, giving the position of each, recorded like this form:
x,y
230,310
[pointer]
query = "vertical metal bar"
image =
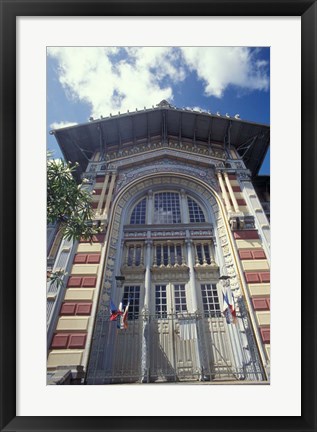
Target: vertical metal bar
x,y
173,336
148,359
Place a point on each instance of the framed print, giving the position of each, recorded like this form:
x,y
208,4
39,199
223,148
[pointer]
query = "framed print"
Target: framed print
x,y
210,358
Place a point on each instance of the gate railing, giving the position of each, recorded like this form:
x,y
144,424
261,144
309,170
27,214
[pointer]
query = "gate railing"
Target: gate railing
x,y
169,347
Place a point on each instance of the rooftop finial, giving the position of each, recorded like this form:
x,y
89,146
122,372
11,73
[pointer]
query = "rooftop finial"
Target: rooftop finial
x,y
164,103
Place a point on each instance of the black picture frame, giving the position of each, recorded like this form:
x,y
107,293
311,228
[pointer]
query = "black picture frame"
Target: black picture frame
x,y
10,9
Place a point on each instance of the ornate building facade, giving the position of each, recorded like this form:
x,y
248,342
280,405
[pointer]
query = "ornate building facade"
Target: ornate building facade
x,y
182,229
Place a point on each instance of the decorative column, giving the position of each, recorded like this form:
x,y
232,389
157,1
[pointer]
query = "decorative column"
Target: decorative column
x,y
224,192
192,283
149,212
190,261
109,196
184,207
102,196
145,356
233,198
154,257
147,277
204,254
212,253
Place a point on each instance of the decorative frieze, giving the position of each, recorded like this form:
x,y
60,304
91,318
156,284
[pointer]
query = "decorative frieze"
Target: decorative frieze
x,y
207,272
177,272
165,165
168,234
180,146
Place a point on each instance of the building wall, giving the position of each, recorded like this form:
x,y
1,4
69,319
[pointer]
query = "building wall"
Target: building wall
x,y
241,229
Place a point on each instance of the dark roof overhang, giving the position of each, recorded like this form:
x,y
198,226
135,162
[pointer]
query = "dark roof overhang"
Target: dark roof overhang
x,y
78,143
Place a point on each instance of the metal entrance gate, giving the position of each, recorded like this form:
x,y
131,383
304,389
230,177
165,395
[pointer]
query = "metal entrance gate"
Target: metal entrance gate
x,y
172,348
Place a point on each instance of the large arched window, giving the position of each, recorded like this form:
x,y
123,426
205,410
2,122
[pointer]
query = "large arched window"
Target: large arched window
x,y
166,208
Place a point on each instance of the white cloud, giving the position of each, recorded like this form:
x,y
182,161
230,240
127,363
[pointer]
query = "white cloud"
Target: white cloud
x,y
91,75
118,79
197,108
219,67
62,124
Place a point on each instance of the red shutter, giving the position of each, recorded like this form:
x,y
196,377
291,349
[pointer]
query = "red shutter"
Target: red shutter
x,y
93,259
80,259
260,303
252,277
89,281
258,254
241,202
68,309
246,235
60,341
77,340
236,188
74,281
83,308
245,254
265,334
265,277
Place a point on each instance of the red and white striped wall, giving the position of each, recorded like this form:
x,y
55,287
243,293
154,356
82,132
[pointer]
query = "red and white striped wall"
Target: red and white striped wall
x,y
69,341
257,276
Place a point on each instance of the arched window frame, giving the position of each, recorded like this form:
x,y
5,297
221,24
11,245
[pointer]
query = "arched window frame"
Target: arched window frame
x,y
182,208
200,209
143,198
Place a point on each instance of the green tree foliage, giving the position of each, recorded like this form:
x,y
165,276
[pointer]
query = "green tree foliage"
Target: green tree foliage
x,y
68,203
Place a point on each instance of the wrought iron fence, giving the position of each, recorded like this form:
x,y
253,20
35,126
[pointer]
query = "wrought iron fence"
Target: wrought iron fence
x,y
172,347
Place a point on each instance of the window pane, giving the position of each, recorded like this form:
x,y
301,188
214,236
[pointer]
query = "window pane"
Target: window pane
x,y
132,292
195,212
180,298
167,208
130,255
160,301
158,255
207,253
172,254
210,300
138,214
179,254
165,255
199,254
138,256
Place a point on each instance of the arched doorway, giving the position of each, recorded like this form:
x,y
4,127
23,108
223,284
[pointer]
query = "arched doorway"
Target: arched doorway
x,y
167,242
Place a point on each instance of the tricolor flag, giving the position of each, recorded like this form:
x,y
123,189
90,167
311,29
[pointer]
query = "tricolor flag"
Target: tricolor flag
x,y
125,316
229,309
226,305
114,312
120,321
232,307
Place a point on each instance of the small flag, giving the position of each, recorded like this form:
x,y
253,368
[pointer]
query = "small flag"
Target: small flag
x,y
114,312
232,307
120,321
229,310
125,316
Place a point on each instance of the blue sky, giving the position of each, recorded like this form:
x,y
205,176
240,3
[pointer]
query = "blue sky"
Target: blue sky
x,y
94,81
